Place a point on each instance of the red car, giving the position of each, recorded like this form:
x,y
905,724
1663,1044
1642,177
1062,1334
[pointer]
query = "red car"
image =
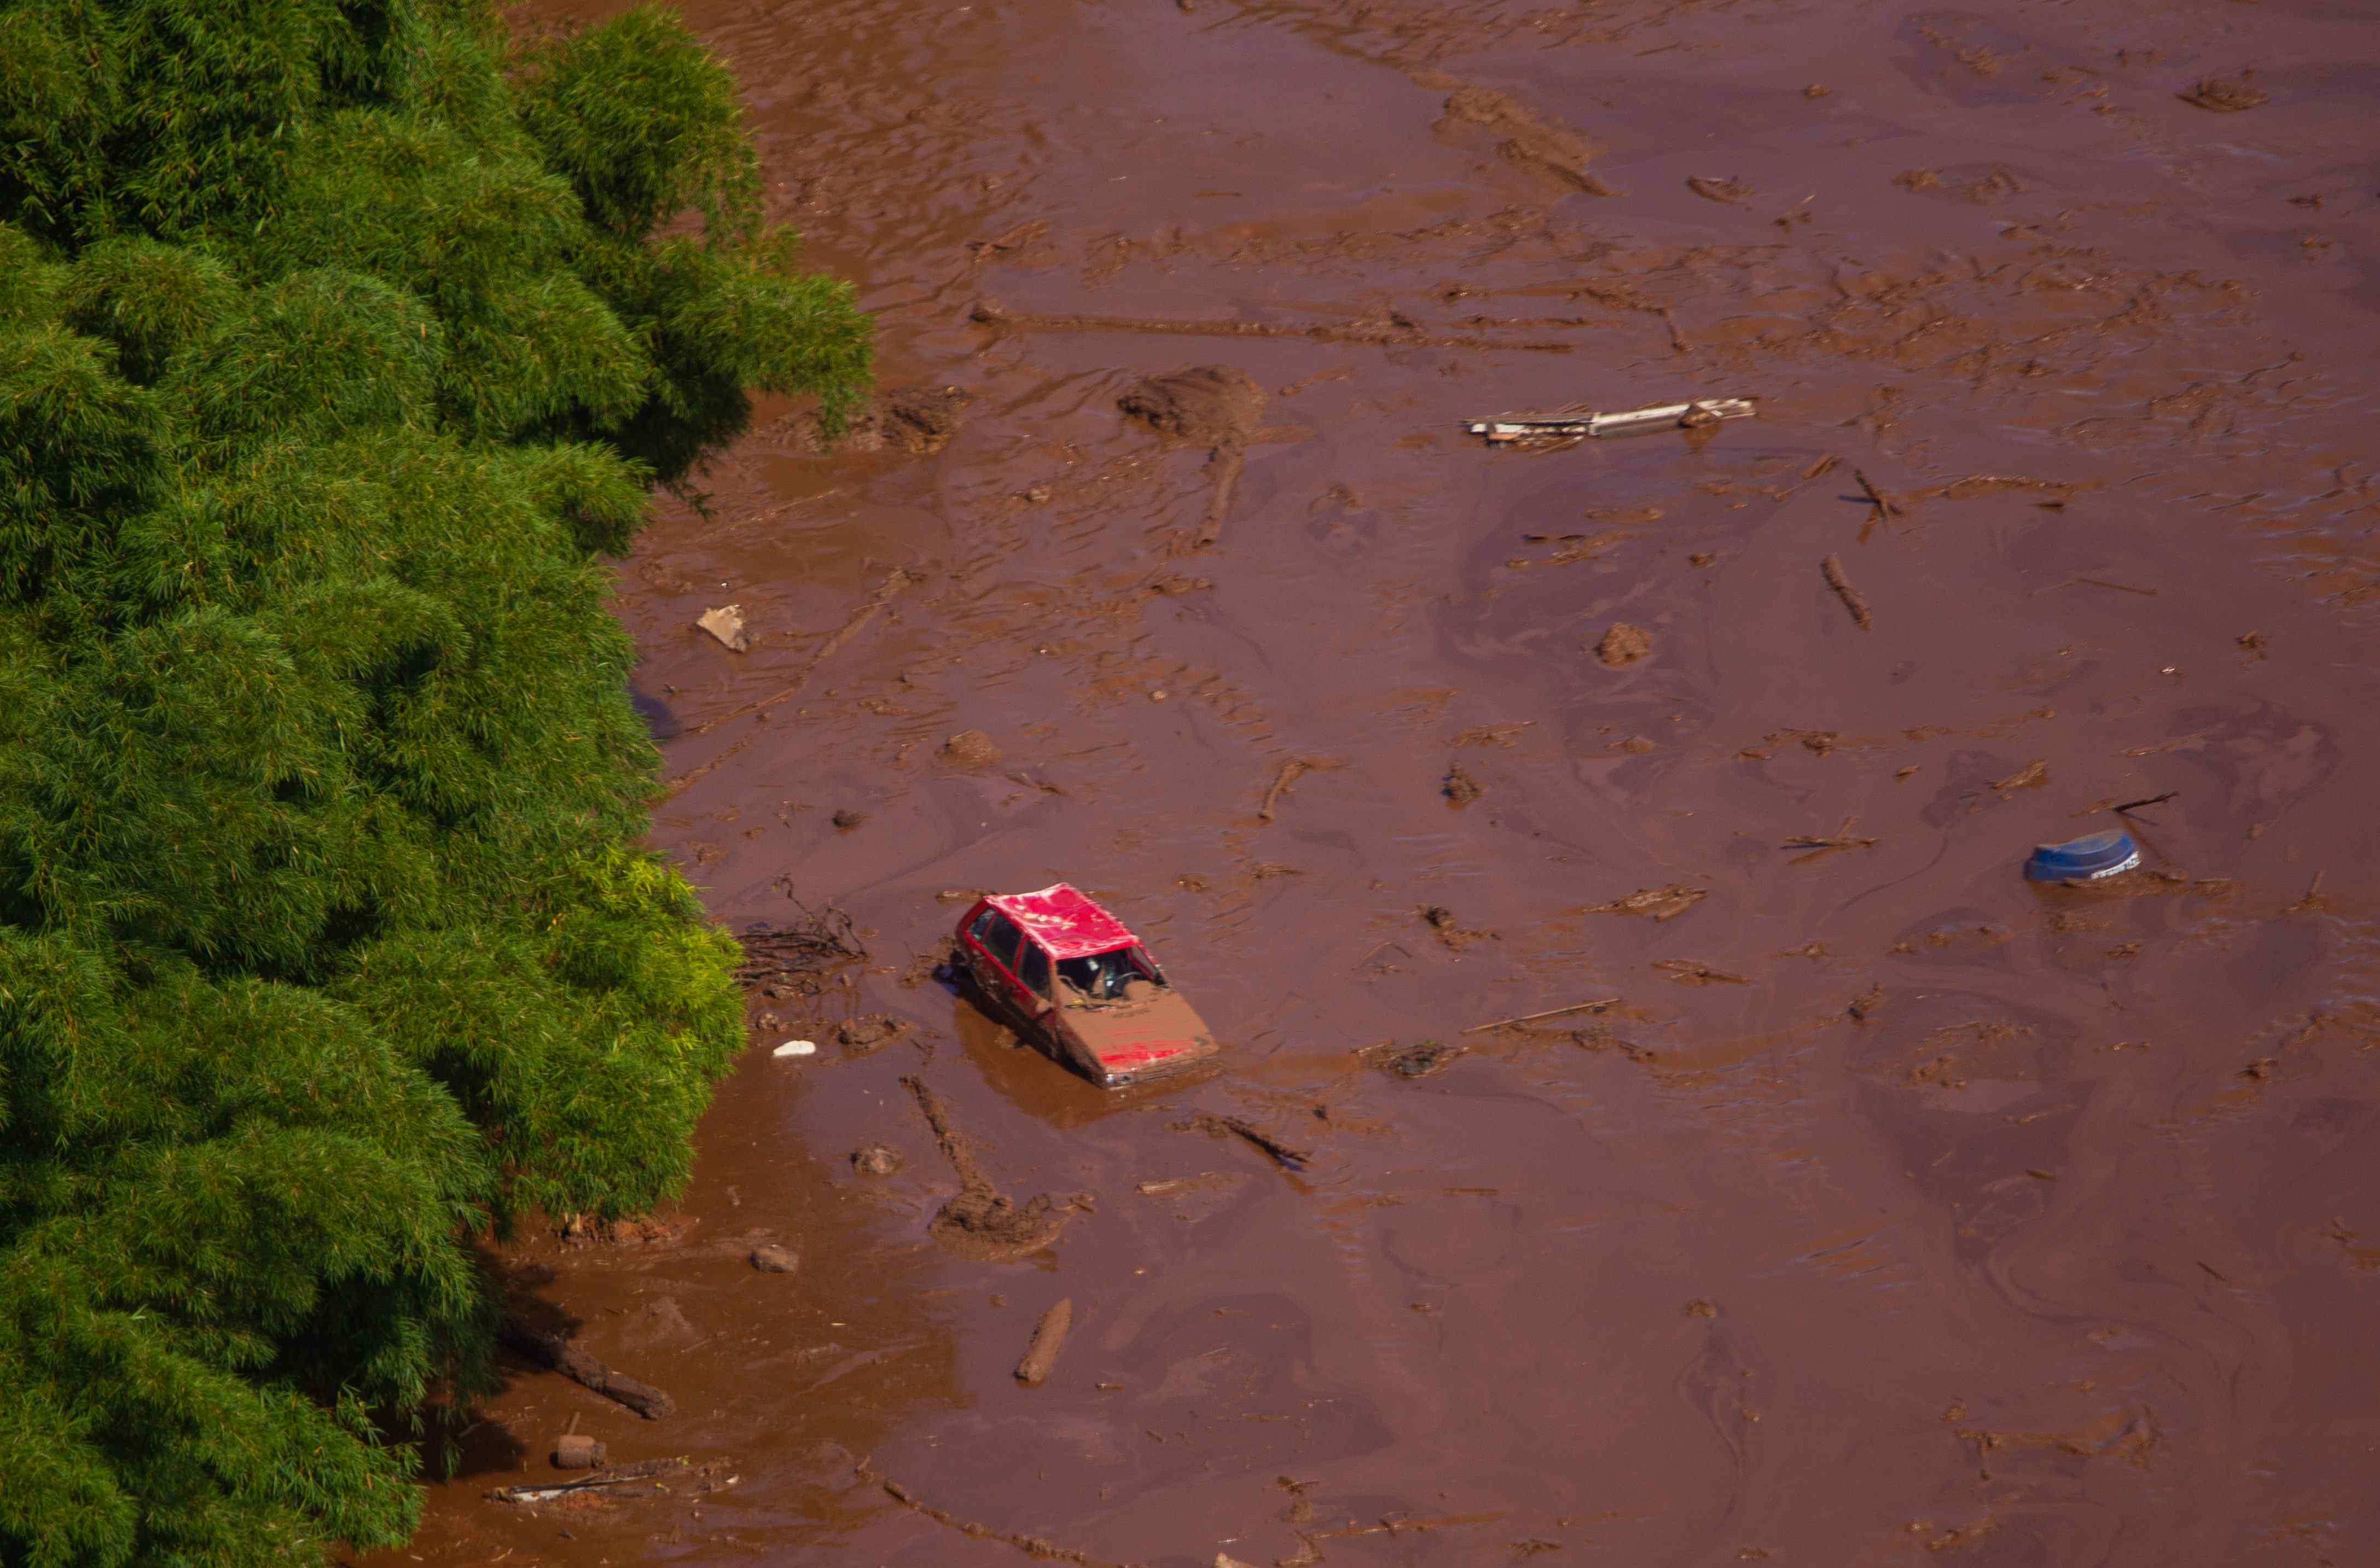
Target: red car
x,y
1080,986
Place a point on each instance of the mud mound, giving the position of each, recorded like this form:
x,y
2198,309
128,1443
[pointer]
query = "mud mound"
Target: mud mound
x,y
982,1221
970,748
993,1226
1531,140
867,1033
1215,404
1624,645
915,420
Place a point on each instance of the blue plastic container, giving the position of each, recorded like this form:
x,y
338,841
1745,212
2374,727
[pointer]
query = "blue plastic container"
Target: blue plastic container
x,y
2083,859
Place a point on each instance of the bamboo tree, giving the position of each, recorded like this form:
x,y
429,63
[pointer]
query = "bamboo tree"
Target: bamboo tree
x,y
338,345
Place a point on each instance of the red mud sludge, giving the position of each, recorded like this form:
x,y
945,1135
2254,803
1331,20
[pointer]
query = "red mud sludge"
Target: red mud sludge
x,y
1750,1166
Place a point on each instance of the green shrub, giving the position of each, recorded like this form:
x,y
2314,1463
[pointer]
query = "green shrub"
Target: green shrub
x,y
331,361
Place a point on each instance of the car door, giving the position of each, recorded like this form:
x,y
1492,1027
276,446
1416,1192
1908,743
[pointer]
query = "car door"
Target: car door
x,y
1001,942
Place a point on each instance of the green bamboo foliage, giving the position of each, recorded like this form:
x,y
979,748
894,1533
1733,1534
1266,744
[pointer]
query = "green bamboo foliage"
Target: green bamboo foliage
x,y
338,345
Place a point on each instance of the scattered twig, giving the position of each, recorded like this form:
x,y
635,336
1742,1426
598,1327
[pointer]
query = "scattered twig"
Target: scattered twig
x,y
1842,838
1289,774
1885,505
2314,902
1853,601
2119,586
1661,902
620,1475
1596,1006
1400,1524
1031,1545
2033,775
1686,971
556,1352
1282,1154
993,314
1821,468
2128,807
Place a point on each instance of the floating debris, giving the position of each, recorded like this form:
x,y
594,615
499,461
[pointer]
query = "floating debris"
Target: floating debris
x,y
2084,859
726,624
1568,425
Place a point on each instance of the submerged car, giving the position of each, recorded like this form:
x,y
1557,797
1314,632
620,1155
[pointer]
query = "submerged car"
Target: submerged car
x,y
1071,978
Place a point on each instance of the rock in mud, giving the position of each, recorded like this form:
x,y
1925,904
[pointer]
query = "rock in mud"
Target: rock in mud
x,y
1624,645
1419,1059
575,1451
995,1228
1460,789
1212,405
845,820
869,1033
775,1259
971,750
1715,190
876,1160
2224,96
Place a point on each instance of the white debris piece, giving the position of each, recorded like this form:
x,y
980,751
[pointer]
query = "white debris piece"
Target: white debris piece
x,y
726,624
1569,426
796,1048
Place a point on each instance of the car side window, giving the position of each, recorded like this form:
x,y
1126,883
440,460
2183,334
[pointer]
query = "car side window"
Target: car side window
x,y
1034,970
1000,940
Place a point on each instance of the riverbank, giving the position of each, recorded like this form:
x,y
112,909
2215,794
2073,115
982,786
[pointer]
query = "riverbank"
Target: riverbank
x,y
2066,1221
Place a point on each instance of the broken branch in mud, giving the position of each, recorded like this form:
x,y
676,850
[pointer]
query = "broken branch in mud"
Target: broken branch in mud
x,y
1661,902
2130,806
1687,971
1597,1007
1290,773
1397,334
983,1221
1218,1126
620,1475
1401,1524
814,941
1831,568
1049,1338
556,1351
1031,1545
1885,505
1818,846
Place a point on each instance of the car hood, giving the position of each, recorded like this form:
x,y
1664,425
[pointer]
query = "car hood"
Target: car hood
x,y
1142,1035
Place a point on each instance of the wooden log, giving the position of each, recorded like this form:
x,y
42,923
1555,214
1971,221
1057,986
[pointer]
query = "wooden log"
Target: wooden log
x,y
557,1353
1048,1336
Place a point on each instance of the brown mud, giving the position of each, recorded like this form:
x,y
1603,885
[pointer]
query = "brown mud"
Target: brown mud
x,y
1896,1211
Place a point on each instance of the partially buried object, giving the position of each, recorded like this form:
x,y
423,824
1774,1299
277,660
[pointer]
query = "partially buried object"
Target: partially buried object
x,y
775,1259
2083,859
1568,425
575,1451
1049,1335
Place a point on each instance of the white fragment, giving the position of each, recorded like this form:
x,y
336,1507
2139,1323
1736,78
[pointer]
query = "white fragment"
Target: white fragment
x,y
726,624
1668,415
796,1048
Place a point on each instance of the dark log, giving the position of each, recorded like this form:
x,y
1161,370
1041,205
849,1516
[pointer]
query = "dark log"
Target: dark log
x,y
557,1353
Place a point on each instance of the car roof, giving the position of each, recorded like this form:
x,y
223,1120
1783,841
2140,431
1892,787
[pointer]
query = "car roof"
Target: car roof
x,y
1063,921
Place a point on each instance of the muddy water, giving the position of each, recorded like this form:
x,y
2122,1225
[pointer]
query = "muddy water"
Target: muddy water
x,y
1892,1205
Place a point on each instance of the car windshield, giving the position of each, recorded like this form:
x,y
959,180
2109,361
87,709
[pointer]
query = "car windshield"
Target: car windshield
x,y
1102,977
